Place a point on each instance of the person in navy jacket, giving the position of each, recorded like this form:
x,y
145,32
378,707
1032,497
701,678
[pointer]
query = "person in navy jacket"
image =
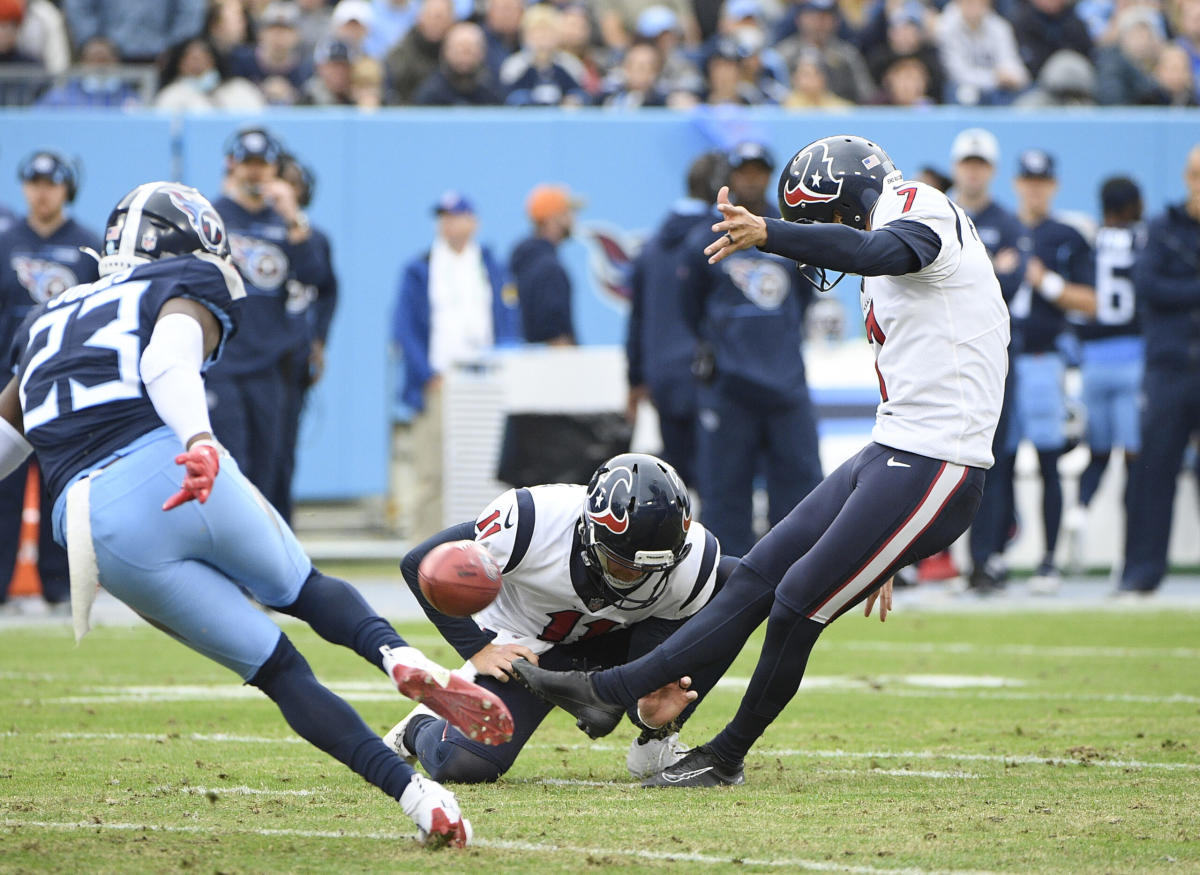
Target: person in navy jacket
x,y
453,306
41,256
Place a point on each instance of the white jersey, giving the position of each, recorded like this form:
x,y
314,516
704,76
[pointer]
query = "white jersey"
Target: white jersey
x,y
531,534
940,336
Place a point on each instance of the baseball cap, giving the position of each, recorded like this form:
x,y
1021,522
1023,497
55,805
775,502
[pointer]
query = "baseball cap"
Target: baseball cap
x,y
1036,164
655,21
45,165
352,10
975,143
725,47
736,10
548,200
453,203
333,50
279,15
1117,193
908,13
817,6
253,143
749,151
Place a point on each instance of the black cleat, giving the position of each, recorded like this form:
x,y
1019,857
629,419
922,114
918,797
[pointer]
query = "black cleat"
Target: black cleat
x,y
573,692
700,768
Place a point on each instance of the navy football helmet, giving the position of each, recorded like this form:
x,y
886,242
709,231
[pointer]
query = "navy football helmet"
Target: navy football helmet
x,y
159,220
634,526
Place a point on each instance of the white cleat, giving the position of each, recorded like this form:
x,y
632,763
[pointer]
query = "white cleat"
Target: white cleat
x,y
646,758
395,738
435,811
477,713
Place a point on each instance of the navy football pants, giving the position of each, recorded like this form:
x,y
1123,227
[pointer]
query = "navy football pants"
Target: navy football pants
x,y
248,413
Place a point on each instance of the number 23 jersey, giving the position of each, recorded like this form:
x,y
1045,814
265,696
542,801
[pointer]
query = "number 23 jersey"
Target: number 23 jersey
x,y
940,336
79,358
531,535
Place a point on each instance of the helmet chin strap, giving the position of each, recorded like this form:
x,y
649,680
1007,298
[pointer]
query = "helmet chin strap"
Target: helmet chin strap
x,y
110,264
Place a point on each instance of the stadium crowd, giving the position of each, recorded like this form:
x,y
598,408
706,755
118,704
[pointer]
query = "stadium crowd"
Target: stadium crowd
x,y
249,54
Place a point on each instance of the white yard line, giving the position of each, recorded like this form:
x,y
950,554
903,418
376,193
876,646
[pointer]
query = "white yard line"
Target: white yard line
x,y
1020,649
500,844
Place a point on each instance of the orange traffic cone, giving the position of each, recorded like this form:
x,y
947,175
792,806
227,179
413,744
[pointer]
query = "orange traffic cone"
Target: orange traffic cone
x,y
25,580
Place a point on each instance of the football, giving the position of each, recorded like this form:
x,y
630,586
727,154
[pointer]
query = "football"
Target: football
x,y
459,578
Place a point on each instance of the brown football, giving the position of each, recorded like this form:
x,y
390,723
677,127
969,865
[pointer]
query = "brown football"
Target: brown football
x,y
459,578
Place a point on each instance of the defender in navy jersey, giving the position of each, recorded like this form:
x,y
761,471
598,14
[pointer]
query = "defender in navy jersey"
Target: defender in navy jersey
x,y
7,218
109,392
937,322
41,256
1112,350
592,576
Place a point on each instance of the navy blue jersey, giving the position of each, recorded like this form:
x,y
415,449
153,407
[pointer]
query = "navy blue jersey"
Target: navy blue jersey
x,y
7,218
313,302
79,354
1116,300
750,307
34,269
999,230
274,318
1064,251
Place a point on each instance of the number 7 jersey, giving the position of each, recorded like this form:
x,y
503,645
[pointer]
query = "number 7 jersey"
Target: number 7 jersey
x,y
940,336
78,358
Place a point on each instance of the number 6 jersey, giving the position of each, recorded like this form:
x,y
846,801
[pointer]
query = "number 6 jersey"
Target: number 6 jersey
x,y
78,358
545,599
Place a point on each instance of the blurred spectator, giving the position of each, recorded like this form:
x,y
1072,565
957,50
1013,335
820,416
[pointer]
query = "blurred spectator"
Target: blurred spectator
x,y
906,37
1101,18
194,78
660,25
414,58
906,82
350,22
1044,27
140,29
1187,25
576,40
95,84
1067,79
367,83
638,84
12,13
228,26
979,54
810,85
1174,76
816,28
275,63
761,66
659,344
725,81
463,79
331,84
452,308
618,19
43,36
1125,70
313,24
541,74
543,287
390,21
502,27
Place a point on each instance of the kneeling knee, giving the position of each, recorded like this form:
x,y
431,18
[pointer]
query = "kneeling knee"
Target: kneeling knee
x,y
464,767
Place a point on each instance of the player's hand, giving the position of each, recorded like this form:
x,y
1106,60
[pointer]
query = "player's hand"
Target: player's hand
x,y
201,463
659,708
316,362
1035,272
496,660
739,229
281,197
884,596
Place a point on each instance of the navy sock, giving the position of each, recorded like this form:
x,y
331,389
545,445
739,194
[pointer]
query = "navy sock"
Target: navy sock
x,y
713,636
790,639
1089,480
1051,497
338,613
327,721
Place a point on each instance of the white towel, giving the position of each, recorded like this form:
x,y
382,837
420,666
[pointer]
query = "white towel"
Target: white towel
x,y
81,556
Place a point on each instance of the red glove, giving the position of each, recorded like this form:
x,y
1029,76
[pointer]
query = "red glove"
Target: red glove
x,y
201,462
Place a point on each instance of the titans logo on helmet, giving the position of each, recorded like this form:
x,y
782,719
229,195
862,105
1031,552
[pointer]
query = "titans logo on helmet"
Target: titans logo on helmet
x,y
263,264
811,179
608,502
202,217
43,279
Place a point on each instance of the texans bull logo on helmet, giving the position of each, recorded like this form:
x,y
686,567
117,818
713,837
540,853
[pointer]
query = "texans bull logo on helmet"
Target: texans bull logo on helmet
x,y
608,503
201,216
811,178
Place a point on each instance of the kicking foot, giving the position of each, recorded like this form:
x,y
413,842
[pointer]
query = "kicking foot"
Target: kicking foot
x,y
573,692
478,714
435,811
700,768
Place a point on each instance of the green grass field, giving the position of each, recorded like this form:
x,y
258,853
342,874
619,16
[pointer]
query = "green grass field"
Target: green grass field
x,y
1063,742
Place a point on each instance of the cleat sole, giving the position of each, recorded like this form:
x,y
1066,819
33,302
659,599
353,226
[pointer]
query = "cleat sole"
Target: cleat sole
x,y
463,704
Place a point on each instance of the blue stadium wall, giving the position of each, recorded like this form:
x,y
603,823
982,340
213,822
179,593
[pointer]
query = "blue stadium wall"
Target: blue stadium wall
x,y
379,174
